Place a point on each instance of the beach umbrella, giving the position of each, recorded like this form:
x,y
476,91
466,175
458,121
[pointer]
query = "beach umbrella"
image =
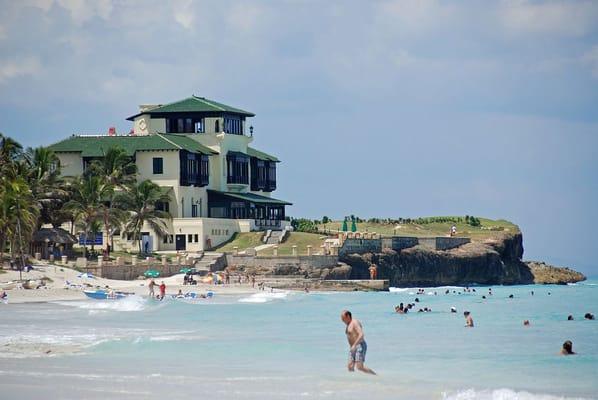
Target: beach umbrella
x,y
353,226
185,270
151,273
345,225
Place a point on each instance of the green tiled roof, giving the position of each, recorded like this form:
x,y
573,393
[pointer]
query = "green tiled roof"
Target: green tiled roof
x,y
194,104
261,155
254,198
96,146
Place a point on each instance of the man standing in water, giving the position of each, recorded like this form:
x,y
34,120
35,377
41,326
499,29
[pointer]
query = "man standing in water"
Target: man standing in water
x,y
357,344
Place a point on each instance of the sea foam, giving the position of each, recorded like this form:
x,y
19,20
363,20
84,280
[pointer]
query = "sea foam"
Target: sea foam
x,y
264,297
130,303
501,394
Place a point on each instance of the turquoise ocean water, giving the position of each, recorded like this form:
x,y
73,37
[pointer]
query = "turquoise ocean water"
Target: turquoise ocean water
x,y
292,345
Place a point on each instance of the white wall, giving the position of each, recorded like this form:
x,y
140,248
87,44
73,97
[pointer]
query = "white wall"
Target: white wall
x,y
71,164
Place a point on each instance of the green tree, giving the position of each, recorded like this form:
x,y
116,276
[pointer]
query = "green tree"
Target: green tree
x,y
87,204
119,172
325,219
140,201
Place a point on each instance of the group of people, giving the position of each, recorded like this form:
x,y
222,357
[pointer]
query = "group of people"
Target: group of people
x,y
162,288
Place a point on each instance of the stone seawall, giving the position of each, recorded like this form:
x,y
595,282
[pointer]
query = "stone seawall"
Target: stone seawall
x,y
315,261
398,243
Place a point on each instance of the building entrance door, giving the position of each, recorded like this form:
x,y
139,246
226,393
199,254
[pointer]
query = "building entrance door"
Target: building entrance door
x,y
180,242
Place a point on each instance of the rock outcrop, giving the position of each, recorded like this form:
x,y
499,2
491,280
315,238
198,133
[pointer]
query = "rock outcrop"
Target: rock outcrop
x,y
545,273
491,262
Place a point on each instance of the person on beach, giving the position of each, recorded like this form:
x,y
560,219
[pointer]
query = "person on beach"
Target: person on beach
x,y
468,319
567,349
357,344
373,271
152,285
162,290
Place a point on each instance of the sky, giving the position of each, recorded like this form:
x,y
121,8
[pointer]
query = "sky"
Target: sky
x,y
376,108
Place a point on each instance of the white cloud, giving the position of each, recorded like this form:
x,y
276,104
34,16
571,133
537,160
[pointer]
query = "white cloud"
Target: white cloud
x,y
83,10
10,69
183,14
590,58
553,17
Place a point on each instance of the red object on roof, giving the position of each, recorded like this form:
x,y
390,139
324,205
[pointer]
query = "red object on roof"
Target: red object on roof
x,y
111,131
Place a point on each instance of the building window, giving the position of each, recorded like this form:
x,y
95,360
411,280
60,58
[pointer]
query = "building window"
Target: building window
x,y
185,125
165,239
163,206
189,238
194,210
238,168
199,126
233,125
158,165
196,238
217,126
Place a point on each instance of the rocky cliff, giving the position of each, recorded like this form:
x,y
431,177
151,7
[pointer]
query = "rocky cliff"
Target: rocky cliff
x,y
493,261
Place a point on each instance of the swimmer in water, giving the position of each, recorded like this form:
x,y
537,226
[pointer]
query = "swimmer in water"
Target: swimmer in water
x,y
570,318
567,349
526,322
468,319
589,316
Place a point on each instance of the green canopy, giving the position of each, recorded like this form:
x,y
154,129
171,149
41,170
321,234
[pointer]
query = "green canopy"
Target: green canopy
x,y
185,270
151,273
345,225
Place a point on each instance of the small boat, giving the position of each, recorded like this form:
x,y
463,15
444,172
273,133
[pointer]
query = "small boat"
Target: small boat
x,y
104,295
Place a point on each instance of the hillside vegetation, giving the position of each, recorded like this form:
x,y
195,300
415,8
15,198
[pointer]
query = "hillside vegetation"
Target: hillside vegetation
x,y
429,226
253,239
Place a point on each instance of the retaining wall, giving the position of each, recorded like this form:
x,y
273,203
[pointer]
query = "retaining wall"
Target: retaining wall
x,y
315,261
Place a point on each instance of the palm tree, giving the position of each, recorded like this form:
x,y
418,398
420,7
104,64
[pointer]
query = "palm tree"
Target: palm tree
x,y
141,201
87,204
18,214
48,188
119,172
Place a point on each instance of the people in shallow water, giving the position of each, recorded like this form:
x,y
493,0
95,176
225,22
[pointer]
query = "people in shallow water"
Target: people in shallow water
x,y
357,343
567,349
453,309
511,296
570,318
400,309
468,319
526,322
589,316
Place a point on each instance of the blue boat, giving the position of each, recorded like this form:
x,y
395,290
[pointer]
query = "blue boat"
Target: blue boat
x,y
104,295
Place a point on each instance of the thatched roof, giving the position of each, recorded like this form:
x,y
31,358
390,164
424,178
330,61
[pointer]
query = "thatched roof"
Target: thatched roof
x,y
54,235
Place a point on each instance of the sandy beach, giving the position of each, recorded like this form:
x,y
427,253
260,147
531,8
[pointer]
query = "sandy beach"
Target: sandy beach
x,y
65,284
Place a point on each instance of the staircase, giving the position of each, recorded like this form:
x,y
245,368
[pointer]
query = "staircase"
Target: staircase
x,y
210,261
276,237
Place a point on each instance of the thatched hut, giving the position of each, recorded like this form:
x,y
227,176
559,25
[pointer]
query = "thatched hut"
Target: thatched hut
x,y
54,241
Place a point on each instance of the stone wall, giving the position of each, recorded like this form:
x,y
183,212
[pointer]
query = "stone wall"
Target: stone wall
x,y
315,261
359,246
442,243
398,243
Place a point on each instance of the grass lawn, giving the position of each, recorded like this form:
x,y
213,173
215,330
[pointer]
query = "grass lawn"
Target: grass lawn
x,y
299,239
489,228
242,241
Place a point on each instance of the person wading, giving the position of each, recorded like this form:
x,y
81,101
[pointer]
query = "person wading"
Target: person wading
x,y
357,345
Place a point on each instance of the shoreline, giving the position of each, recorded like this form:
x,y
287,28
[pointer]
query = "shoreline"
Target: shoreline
x,y
65,285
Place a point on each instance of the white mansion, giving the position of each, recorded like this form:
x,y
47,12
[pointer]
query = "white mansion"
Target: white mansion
x,y
198,151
